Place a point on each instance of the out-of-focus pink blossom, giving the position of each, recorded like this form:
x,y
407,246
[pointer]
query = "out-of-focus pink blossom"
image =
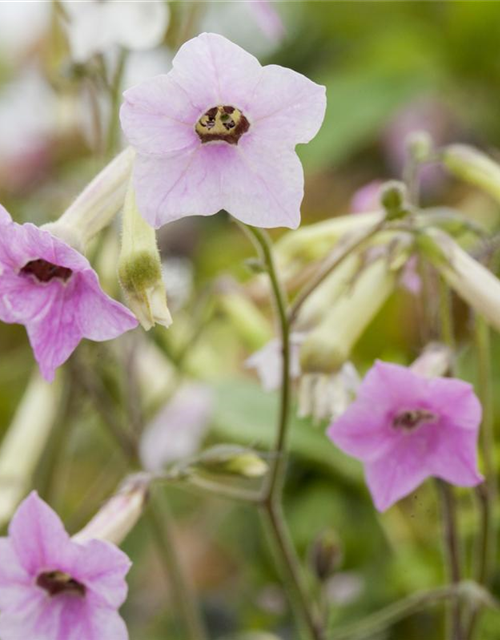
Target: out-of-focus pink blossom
x,y
367,197
268,19
219,132
178,429
410,278
405,428
52,587
51,288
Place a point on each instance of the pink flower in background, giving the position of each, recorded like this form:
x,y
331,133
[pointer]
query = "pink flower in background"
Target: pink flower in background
x,y
219,132
406,428
52,289
268,19
53,588
367,197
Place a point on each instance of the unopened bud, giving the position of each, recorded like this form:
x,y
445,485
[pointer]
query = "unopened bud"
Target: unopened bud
x,y
471,281
394,199
434,361
119,514
232,460
329,345
139,268
419,145
473,166
325,555
97,205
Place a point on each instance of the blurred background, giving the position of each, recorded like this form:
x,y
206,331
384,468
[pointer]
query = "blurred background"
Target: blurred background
x,y
390,68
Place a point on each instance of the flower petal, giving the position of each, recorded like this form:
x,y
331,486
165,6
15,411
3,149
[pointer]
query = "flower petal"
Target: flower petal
x,y
396,474
215,71
158,117
102,567
38,536
98,316
15,581
454,458
456,401
22,299
4,215
287,108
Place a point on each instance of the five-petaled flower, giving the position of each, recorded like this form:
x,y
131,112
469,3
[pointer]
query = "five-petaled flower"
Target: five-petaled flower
x,y
52,587
406,428
52,289
219,132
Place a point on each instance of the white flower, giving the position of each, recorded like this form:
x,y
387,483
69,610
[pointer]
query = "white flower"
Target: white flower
x,y
95,27
268,361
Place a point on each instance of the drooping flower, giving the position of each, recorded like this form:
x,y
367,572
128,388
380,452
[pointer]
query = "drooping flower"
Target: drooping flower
x,y
405,428
52,587
95,27
219,132
52,289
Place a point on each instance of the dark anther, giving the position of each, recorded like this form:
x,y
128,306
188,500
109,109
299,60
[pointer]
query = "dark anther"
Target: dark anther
x,y
222,123
409,420
45,271
56,582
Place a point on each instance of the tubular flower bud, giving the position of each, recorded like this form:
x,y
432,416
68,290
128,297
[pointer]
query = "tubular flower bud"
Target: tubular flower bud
x,y
118,516
474,166
471,281
96,206
329,345
233,460
434,361
25,441
139,268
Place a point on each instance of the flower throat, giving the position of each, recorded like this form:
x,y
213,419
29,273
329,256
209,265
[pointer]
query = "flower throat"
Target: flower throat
x,y
222,123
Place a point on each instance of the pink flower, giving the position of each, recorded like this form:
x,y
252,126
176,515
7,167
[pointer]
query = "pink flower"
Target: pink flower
x,y
406,428
52,289
53,588
367,197
219,132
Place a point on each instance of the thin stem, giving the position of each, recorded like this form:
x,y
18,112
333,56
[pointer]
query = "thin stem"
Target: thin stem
x,y
162,527
305,612
452,554
115,99
383,619
336,257
487,492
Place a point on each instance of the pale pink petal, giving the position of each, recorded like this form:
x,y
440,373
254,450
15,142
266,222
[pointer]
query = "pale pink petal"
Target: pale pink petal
x,y
102,567
395,474
54,337
158,117
38,536
15,581
456,402
214,71
4,215
287,108
21,299
98,316
395,387
103,623
454,455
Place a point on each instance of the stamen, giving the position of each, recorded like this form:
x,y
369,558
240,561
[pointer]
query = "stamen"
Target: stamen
x,y
222,123
412,419
56,582
45,271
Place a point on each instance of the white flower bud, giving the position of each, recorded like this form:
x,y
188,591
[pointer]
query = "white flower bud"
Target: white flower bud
x,y
473,166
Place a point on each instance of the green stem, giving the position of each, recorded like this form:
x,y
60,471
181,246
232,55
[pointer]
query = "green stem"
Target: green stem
x,y
305,612
487,492
452,555
115,99
383,619
162,527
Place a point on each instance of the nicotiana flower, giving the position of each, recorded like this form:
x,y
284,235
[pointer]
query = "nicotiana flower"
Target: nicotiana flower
x,y
268,361
52,587
405,428
52,289
95,26
219,132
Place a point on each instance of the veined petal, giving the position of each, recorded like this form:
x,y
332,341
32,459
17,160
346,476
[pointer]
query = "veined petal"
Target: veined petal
x,y
215,71
15,581
4,215
158,117
21,299
287,108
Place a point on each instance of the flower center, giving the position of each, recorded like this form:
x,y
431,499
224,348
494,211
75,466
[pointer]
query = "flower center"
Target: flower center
x,y
222,123
45,271
412,419
55,582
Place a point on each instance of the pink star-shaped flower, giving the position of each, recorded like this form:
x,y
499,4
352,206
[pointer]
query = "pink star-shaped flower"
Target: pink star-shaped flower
x,y
53,588
406,428
52,289
219,132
